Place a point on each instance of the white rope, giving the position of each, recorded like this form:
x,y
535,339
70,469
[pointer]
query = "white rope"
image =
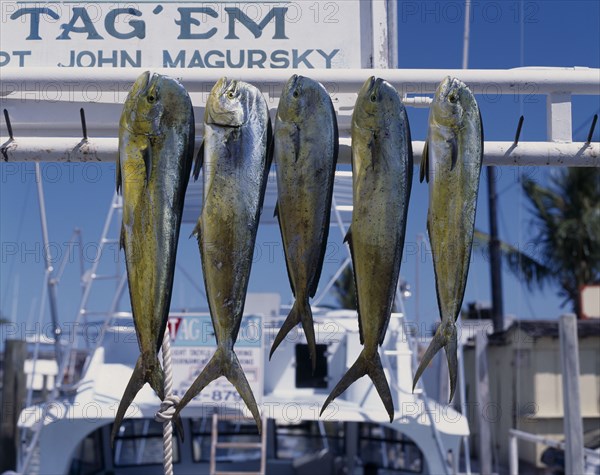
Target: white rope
x,y
168,406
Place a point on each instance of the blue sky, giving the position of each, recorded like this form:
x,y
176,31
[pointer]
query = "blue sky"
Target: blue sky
x,y
430,36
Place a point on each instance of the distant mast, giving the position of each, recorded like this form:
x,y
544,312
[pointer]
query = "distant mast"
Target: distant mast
x,y
494,244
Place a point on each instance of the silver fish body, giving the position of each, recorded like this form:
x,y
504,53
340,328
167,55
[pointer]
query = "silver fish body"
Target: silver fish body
x,y
305,152
382,168
236,166
452,165
156,145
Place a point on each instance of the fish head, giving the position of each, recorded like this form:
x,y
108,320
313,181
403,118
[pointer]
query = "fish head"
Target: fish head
x,y
300,98
155,102
451,101
376,100
227,103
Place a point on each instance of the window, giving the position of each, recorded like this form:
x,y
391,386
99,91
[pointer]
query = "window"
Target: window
x,y
388,451
305,378
88,458
140,442
306,437
237,431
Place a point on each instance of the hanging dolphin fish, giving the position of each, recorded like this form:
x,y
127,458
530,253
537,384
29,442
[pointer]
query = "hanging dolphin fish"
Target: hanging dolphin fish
x,y
305,151
451,164
156,146
237,160
382,169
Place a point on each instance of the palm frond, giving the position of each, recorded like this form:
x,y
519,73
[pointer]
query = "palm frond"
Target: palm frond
x,y
521,264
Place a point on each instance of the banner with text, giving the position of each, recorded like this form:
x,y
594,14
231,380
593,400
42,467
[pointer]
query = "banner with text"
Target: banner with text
x,y
157,34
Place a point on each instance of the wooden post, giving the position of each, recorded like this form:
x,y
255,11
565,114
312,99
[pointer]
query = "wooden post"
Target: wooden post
x,y
13,396
573,425
483,400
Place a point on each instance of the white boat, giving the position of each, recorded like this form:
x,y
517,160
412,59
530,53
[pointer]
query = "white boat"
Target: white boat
x,y
353,435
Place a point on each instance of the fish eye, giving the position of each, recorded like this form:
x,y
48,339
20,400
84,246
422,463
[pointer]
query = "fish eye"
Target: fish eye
x,y
296,94
231,94
151,99
452,98
373,98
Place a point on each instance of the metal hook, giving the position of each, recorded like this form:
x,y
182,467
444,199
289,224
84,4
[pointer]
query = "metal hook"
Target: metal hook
x,y
11,138
518,134
83,124
8,125
590,134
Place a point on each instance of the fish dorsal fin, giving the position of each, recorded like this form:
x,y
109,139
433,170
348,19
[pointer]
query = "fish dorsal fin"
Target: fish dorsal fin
x,y
198,161
424,171
348,239
454,147
276,211
119,179
197,229
147,157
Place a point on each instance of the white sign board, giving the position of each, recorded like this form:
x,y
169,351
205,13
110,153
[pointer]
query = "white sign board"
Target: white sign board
x,y
590,301
157,34
193,345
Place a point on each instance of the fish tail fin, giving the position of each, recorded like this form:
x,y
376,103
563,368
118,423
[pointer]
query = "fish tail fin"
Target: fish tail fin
x,y
223,363
300,313
235,374
365,365
452,356
136,382
445,337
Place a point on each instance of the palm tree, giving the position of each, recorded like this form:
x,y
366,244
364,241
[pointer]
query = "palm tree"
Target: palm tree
x,y
566,220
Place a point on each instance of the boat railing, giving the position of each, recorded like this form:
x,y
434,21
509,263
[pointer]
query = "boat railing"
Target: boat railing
x,y
513,447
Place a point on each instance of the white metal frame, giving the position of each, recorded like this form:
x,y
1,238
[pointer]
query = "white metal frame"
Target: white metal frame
x,y
20,86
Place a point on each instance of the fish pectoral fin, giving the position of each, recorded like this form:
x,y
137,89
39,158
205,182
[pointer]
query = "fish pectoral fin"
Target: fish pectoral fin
x,y
372,367
147,157
454,147
119,179
270,145
198,161
296,142
122,237
424,170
